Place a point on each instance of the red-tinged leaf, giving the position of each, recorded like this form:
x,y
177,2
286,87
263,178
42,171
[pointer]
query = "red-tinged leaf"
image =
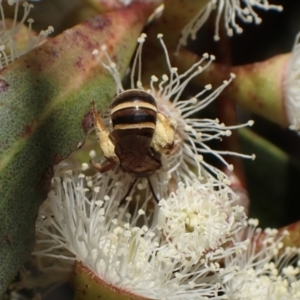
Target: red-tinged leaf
x,y
88,287
293,238
45,101
257,87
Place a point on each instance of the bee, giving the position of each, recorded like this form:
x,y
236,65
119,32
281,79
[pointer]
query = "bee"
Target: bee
x,y
140,135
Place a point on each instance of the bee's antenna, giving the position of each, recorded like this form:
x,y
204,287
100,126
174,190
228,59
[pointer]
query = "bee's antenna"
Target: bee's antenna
x,y
152,190
129,191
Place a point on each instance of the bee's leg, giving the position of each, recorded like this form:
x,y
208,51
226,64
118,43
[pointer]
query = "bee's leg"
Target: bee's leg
x,y
106,145
152,190
164,135
129,191
103,168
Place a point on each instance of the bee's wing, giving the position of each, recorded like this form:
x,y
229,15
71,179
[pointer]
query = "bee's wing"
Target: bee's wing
x,y
131,151
151,162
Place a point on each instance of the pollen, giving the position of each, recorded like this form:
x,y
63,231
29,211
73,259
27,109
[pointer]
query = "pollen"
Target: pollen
x,y
141,212
95,52
154,78
84,166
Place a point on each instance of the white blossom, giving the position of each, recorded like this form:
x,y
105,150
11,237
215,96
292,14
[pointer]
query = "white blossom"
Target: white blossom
x,y
10,49
199,219
230,10
265,270
130,247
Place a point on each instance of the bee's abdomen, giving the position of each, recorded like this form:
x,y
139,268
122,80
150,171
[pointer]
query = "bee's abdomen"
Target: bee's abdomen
x,y
134,109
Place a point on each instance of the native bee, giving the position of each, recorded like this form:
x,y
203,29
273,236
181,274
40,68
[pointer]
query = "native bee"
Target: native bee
x,y
140,135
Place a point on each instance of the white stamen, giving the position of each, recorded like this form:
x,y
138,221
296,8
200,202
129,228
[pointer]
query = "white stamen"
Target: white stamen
x,y
230,11
10,49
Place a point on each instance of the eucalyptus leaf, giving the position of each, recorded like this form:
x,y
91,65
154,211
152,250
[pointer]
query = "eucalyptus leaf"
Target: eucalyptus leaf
x,y
45,99
272,181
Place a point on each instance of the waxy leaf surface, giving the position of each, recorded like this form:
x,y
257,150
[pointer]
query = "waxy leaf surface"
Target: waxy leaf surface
x,y
45,101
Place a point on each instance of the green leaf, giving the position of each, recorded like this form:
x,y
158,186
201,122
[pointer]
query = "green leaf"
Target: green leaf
x,y
45,114
272,181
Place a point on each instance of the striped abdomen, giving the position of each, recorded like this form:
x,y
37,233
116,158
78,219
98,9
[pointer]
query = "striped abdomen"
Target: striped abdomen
x,y
133,114
134,110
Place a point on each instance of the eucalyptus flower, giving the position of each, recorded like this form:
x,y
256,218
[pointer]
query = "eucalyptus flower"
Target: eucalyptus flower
x,y
198,219
185,161
134,249
15,37
265,270
244,10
